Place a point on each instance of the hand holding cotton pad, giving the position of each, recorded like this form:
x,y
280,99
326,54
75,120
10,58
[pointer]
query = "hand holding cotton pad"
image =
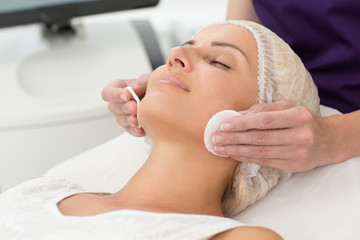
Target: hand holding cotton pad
x,y
136,98
214,124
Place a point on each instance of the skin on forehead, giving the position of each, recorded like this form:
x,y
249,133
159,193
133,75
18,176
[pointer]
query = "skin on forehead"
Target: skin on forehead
x,y
240,37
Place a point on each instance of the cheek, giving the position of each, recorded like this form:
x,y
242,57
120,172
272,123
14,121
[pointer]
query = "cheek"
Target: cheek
x,y
221,93
206,100
227,93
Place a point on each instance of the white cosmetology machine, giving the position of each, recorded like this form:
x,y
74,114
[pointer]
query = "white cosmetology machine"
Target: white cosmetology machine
x,y
52,74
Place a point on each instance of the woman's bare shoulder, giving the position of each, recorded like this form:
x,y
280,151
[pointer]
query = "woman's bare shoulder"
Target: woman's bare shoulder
x,y
84,204
248,233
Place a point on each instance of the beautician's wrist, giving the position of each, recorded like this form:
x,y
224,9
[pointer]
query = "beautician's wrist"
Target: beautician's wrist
x,y
344,134
336,139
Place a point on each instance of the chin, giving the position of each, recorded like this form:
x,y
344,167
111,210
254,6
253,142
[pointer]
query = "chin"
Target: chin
x,y
165,115
154,112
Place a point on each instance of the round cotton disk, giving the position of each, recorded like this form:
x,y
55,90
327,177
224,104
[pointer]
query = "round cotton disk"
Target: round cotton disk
x,y
136,98
214,125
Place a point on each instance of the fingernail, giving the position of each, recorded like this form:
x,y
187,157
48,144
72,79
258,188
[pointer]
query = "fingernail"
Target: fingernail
x,y
219,148
123,97
227,126
217,139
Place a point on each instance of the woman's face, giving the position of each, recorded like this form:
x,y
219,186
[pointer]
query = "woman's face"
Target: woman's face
x,y
214,71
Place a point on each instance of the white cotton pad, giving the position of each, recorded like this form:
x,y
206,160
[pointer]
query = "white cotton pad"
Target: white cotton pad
x,y
136,98
214,125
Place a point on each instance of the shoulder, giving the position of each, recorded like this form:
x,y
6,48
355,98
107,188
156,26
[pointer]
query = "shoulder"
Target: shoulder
x,y
85,204
249,233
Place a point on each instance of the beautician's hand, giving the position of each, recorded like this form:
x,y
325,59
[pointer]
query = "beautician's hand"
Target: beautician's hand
x,y
278,135
121,103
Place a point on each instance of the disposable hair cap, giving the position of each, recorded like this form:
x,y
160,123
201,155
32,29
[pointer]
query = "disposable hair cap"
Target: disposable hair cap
x,y
281,76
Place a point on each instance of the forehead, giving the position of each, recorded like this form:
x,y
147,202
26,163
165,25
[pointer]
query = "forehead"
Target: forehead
x,y
226,32
229,33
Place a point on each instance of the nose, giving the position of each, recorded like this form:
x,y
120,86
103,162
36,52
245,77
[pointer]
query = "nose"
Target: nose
x,y
179,59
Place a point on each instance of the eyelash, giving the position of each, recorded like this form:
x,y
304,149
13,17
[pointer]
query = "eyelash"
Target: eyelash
x,y
214,62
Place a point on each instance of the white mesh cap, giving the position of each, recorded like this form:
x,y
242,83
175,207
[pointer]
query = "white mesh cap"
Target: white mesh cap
x,y
281,76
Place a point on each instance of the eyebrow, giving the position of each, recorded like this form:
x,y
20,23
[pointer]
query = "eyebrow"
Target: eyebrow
x,y
219,44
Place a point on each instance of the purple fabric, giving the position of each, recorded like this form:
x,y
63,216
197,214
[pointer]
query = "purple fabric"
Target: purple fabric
x,y
326,35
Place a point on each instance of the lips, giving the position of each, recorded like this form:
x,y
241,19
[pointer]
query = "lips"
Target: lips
x,y
173,81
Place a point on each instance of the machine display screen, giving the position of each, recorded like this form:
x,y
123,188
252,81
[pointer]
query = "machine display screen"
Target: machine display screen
x,y
19,12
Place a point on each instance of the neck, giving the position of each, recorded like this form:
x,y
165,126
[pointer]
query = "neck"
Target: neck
x,y
178,177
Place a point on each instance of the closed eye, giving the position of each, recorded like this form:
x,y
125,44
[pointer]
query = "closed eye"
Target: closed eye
x,y
218,64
